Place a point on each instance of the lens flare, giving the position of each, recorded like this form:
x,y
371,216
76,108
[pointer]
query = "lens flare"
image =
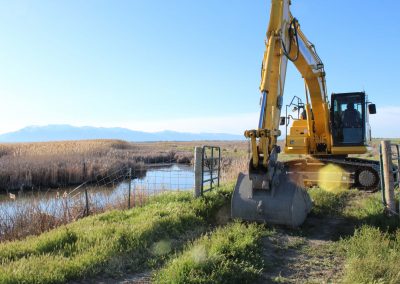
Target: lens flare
x,y
162,247
199,254
333,178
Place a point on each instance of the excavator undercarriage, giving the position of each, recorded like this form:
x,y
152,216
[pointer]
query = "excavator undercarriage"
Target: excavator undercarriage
x,y
346,172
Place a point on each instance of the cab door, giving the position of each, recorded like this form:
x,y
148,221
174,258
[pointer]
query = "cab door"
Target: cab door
x,y
348,119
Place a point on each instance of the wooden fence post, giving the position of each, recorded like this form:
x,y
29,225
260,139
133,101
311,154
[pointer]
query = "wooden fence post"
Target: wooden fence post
x,y
87,202
129,187
198,157
388,180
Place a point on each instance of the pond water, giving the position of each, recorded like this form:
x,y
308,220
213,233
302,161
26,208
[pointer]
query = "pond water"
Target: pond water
x,y
175,177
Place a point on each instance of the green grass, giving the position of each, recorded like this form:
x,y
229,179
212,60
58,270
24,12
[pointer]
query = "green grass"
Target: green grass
x,y
327,203
353,205
232,254
111,243
372,256
373,253
370,211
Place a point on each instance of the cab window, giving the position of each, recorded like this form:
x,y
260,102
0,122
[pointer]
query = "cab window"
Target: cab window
x,y
348,122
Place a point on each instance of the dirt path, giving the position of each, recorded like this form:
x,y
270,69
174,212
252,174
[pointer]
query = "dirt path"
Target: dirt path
x,y
307,255
140,278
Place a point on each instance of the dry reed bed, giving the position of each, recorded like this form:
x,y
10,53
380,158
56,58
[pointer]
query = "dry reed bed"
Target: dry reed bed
x,y
58,164
38,215
64,163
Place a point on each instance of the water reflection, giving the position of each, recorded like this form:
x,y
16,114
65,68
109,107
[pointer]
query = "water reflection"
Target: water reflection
x,y
175,177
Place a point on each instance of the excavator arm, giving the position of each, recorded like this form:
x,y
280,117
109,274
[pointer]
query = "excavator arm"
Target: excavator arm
x,y
286,42
267,194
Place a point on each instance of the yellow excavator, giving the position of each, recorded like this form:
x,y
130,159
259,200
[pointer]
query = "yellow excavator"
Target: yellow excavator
x,y
326,132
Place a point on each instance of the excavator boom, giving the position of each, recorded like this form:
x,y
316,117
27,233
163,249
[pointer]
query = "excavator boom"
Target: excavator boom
x,y
273,191
267,194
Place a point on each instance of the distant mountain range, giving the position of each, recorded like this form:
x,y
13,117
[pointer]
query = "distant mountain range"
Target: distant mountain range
x,y
67,132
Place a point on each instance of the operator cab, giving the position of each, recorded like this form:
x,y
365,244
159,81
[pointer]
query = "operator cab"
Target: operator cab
x,y
349,119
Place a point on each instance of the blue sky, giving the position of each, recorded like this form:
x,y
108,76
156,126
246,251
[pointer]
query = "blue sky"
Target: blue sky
x,y
185,65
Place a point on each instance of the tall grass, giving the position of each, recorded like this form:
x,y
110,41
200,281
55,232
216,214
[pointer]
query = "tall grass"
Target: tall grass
x,y
232,166
38,216
66,163
29,219
111,243
57,164
43,212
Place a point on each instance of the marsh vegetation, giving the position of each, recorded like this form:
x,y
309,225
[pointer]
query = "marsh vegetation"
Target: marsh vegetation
x,y
24,166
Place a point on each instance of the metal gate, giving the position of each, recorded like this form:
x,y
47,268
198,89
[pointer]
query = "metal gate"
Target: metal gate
x,y
211,168
396,163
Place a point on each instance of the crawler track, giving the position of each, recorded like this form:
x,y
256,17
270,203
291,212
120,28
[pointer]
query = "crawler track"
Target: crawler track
x,y
361,173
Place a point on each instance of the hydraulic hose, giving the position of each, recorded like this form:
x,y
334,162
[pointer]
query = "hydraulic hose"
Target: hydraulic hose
x,y
292,29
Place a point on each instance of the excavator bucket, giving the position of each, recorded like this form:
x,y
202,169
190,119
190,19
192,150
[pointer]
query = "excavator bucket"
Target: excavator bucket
x,y
285,204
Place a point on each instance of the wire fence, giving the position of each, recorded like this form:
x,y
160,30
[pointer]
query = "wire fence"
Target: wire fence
x,y
126,186
30,213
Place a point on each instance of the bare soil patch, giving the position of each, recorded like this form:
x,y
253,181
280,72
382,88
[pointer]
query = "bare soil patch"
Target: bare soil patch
x,y
307,255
